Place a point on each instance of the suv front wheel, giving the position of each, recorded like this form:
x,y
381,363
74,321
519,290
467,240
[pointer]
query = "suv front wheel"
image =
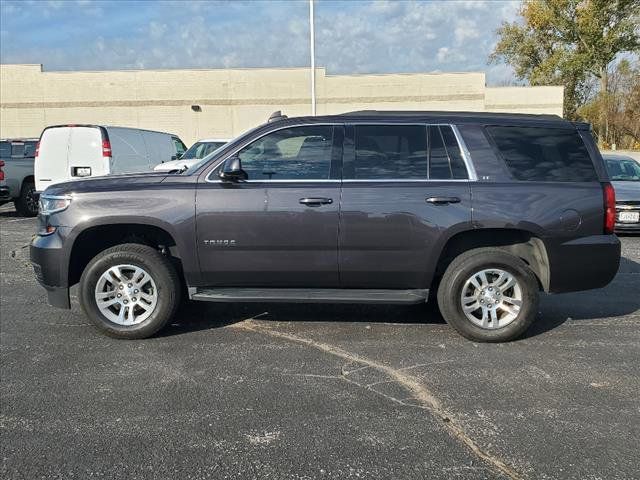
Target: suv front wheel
x,y
130,291
488,295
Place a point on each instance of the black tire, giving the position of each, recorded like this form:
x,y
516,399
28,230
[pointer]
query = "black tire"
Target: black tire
x,y
27,203
156,265
462,268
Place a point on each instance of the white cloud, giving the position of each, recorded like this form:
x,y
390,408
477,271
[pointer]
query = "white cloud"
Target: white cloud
x,y
442,54
157,30
351,37
448,55
465,29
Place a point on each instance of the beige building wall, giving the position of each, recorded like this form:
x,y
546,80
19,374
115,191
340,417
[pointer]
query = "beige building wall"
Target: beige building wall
x,y
524,99
234,100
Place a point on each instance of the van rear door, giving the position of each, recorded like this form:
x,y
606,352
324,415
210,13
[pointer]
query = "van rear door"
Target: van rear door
x,y
51,164
85,153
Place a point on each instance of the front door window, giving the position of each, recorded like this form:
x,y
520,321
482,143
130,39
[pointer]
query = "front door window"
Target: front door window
x,y
298,153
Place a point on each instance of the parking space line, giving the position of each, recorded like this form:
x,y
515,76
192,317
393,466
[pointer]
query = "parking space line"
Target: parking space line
x,y
419,392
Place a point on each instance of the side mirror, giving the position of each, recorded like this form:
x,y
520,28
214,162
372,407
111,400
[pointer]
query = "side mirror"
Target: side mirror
x,y
174,157
232,170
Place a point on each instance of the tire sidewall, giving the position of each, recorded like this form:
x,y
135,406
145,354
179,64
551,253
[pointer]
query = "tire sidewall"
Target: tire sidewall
x,y
22,203
165,306
451,305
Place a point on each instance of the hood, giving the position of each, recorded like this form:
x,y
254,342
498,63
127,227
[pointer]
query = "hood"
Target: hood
x,y
105,183
626,191
176,164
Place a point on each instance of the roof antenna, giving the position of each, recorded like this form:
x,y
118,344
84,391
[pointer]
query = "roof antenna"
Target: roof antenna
x,y
275,116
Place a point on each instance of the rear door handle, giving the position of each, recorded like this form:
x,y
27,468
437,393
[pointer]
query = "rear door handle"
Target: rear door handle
x,y
315,202
442,200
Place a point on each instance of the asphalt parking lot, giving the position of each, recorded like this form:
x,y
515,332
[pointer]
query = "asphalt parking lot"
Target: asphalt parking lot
x,y
317,391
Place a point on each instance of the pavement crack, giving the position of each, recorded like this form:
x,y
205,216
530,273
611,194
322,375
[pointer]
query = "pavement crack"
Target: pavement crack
x,y
425,399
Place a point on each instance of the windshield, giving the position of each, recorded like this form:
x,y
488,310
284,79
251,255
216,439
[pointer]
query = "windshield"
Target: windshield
x,y
200,150
623,169
227,146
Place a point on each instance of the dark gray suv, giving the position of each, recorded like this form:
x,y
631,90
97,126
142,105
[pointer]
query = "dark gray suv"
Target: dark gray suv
x,y
481,211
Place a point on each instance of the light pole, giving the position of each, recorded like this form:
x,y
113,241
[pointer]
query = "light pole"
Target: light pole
x,y
312,44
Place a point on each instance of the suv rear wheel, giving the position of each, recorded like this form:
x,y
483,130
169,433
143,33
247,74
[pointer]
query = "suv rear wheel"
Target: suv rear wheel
x,y
130,291
488,295
27,203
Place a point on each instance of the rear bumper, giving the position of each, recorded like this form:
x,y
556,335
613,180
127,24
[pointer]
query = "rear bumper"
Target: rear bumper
x,y
46,254
583,263
627,227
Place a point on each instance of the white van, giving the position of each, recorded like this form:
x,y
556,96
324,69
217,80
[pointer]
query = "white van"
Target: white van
x,y
67,152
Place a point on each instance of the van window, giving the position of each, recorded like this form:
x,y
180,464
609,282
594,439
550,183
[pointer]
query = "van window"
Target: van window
x,y
390,152
544,154
298,153
180,147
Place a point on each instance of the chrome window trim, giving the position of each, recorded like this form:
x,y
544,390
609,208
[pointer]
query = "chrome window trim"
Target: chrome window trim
x,y
244,144
466,156
404,180
464,152
242,182
471,173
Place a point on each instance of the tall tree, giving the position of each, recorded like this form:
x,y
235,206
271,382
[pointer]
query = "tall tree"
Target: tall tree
x,y
615,114
569,42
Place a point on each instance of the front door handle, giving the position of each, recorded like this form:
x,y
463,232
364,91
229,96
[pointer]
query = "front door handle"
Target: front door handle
x,y
442,200
315,202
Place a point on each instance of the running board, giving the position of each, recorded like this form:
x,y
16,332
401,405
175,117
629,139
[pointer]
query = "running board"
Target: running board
x,y
309,295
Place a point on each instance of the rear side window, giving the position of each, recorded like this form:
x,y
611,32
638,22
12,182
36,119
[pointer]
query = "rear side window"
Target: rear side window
x,y
5,149
445,158
544,154
390,152
398,152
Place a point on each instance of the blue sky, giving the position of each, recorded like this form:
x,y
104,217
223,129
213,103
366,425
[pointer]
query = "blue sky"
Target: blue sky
x,y
351,36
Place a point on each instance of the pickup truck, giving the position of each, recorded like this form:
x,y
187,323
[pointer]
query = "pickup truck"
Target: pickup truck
x,y
16,175
477,211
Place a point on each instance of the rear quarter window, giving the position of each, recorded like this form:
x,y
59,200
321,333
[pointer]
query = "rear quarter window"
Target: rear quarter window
x,y
5,149
17,150
543,154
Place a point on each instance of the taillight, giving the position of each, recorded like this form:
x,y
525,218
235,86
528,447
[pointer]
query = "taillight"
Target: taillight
x,y
609,208
1,171
106,148
37,149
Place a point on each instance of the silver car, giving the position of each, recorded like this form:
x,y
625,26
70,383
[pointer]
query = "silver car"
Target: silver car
x,y
624,172
196,152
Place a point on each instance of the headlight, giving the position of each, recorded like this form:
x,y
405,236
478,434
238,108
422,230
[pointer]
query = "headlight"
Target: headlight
x,y
51,204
